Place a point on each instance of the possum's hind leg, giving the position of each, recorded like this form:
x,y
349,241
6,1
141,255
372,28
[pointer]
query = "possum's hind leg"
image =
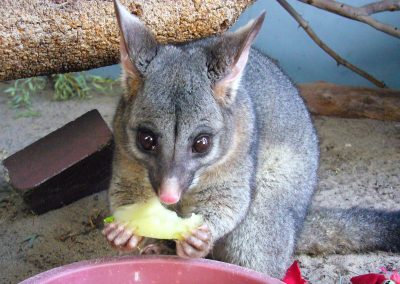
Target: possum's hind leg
x,y
266,238
158,247
266,247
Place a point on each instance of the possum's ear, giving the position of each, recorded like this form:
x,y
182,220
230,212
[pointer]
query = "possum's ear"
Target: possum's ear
x,y
138,46
228,57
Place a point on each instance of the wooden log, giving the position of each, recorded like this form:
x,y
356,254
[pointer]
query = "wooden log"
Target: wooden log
x,y
42,37
330,99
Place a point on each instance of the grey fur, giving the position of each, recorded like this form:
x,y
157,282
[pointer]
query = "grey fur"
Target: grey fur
x,y
139,41
328,231
255,186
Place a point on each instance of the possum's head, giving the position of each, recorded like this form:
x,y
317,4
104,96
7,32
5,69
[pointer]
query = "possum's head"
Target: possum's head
x,y
178,101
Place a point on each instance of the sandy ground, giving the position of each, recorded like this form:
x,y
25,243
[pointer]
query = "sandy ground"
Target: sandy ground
x,y
359,167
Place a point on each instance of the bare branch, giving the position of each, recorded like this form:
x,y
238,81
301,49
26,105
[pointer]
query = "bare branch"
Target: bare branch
x,y
381,6
327,49
361,14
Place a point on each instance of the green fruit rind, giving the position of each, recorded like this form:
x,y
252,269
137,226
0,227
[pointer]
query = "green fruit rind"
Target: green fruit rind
x,y
153,220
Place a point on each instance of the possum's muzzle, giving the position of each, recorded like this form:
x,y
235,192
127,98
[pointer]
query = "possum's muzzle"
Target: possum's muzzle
x,y
169,191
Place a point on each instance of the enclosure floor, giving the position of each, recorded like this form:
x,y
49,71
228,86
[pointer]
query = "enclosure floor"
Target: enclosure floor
x,y
359,167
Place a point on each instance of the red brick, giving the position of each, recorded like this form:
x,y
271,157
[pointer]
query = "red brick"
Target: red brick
x,y
72,162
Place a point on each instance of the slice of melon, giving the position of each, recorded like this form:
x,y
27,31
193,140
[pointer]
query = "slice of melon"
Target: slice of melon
x,y
151,219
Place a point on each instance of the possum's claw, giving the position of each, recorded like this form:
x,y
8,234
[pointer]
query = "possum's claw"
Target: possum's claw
x,y
121,238
197,245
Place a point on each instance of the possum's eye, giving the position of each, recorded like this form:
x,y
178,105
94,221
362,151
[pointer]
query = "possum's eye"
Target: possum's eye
x,y
147,140
201,144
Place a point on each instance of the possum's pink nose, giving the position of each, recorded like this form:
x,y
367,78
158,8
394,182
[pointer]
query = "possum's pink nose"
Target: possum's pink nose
x,y
169,199
169,192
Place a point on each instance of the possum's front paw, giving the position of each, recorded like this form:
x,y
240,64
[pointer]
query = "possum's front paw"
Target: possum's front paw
x,y
197,245
121,238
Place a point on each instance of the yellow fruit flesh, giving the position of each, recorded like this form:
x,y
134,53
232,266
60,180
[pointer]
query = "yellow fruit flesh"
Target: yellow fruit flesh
x,y
151,219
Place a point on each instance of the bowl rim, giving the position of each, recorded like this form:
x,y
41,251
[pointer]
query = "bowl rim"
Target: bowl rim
x,y
54,273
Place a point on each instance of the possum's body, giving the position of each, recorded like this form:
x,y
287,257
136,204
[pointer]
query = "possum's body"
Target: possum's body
x,y
217,129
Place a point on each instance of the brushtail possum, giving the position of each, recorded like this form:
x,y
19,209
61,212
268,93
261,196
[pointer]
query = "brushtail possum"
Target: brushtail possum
x,y
214,127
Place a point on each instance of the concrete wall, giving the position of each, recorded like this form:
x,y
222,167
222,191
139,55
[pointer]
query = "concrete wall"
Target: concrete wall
x,y
371,50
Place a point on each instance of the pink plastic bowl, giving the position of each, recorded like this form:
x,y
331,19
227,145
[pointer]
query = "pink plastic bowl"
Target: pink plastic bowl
x,y
151,270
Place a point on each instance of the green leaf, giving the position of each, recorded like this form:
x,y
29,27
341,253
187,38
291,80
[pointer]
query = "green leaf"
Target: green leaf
x,y
109,220
30,240
9,90
30,85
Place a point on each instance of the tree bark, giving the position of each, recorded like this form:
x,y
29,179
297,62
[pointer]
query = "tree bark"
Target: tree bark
x,y
351,102
42,37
